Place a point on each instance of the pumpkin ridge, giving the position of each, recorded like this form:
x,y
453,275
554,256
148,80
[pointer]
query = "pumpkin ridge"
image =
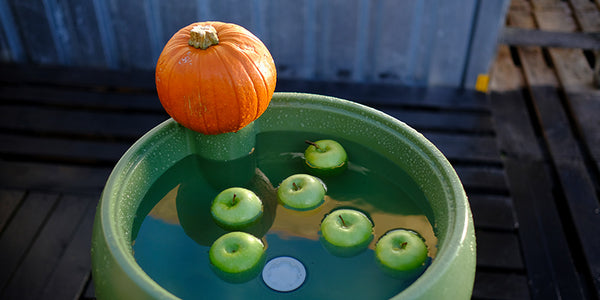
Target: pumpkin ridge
x,y
190,118
268,92
230,34
201,100
247,62
212,125
262,76
173,58
232,84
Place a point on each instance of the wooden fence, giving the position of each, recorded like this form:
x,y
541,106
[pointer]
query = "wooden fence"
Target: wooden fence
x,y
411,42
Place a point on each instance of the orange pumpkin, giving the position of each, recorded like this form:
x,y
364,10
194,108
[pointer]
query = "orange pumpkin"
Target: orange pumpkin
x,y
215,77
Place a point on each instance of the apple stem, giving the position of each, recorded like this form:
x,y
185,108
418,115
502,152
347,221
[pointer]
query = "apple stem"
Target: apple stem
x,y
343,222
312,143
233,200
403,245
295,186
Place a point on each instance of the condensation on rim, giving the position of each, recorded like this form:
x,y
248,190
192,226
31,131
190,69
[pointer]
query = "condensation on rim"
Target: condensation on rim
x,y
284,274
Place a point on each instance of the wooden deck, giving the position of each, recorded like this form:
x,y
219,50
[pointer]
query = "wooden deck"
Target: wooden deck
x,y
528,154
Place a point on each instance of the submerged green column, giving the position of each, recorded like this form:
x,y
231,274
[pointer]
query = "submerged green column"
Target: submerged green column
x,y
224,146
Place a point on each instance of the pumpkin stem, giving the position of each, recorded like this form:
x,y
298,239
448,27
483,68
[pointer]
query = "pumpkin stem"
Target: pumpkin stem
x,y
203,36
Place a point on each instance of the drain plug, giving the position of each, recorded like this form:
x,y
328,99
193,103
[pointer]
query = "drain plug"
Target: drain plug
x,y
284,274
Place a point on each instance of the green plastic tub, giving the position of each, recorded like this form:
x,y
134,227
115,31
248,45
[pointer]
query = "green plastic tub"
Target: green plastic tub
x,y
450,276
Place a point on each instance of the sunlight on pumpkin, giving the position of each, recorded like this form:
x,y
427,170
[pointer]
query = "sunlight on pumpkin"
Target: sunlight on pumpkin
x,y
215,77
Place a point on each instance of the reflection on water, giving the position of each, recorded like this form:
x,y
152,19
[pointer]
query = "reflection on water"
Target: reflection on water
x,y
176,228
166,208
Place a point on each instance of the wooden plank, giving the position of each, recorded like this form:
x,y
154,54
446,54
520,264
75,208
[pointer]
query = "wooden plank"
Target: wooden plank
x,y
498,250
73,270
555,124
509,286
537,73
587,15
571,65
518,5
62,150
466,148
509,110
493,212
583,104
548,259
585,107
516,36
89,290
443,121
78,77
74,98
543,5
505,76
515,126
37,266
574,72
9,202
577,184
53,177
482,179
74,122
21,232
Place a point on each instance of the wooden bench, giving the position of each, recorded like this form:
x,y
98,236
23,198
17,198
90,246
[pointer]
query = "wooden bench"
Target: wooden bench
x,y
63,129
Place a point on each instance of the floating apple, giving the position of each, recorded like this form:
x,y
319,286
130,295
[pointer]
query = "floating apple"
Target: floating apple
x,y
237,256
346,232
325,158
301,192
401,250
235,208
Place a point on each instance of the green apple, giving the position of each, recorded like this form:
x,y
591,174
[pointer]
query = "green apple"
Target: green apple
x,y
401,250
301,192
237,256
325,158
346,232
236,208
